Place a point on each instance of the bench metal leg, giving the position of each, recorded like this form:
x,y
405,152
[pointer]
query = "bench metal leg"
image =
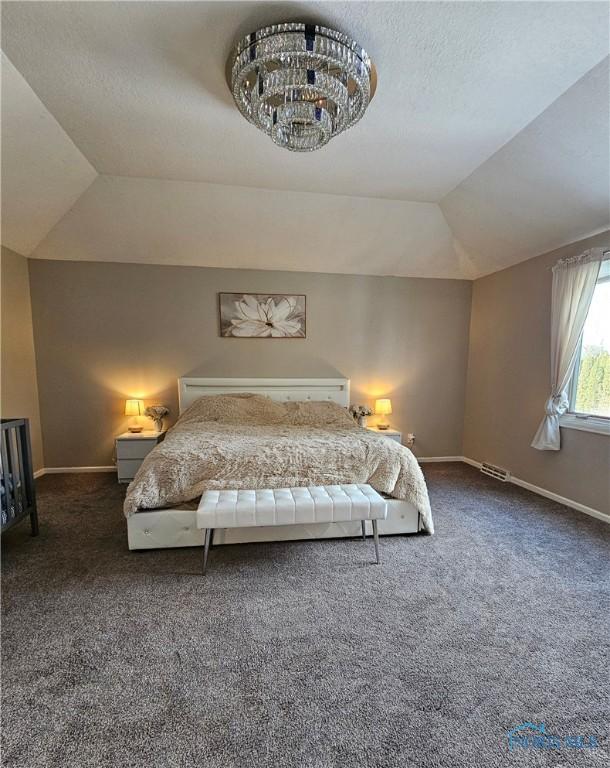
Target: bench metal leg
x,y
376,540
363,524
206,547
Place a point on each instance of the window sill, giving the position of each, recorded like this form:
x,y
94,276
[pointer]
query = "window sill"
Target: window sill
x,y
585,423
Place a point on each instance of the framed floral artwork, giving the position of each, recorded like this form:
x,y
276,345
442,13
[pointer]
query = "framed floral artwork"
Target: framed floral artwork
x,y
262,315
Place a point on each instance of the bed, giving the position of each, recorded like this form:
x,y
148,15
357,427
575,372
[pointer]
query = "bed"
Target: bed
x,y
267,433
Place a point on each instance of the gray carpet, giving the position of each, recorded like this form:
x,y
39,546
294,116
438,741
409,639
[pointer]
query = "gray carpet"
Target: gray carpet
x,y
303,654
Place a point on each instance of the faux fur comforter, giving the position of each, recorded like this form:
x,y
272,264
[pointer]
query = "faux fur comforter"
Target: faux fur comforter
x,y
249,441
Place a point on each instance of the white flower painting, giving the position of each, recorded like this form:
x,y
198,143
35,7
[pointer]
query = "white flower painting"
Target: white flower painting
x,y
262,315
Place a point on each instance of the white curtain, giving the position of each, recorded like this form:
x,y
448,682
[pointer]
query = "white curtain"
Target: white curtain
x,y
573,285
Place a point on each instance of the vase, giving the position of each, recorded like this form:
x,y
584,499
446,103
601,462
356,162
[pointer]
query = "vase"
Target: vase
x,y
362,421
158,424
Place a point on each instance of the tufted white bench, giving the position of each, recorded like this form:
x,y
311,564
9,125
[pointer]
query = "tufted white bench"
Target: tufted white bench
x,y
289,506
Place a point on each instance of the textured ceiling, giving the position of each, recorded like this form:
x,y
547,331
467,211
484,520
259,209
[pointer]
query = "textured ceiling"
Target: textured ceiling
x,y
43,173
460,118
550,183
140,87
159,222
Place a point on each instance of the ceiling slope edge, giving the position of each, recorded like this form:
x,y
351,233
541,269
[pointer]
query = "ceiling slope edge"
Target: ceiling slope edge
x,y
43,172
150,221
547,187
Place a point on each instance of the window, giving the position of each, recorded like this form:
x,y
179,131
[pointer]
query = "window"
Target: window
x,y
590,388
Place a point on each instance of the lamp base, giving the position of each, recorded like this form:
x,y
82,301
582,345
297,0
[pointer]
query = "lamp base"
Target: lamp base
x,y
134,428
383,426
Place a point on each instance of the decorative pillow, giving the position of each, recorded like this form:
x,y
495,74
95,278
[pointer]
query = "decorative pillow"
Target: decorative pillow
x,y
319,413
238,408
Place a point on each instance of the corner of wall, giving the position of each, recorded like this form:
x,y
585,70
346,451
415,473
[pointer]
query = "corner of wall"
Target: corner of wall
x,y
19,380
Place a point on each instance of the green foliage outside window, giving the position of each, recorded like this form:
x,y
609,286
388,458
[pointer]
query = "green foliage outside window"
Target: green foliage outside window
x,y
593,390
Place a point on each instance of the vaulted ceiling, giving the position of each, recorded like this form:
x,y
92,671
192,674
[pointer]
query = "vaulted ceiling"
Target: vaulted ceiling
x,y
486,142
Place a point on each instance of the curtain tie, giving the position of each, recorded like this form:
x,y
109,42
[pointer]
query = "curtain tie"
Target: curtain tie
x,y
557,405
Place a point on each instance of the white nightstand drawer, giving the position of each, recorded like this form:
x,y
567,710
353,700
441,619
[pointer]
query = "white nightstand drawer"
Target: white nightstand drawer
x,y
131,450
389,434
127,468
393,436
134,449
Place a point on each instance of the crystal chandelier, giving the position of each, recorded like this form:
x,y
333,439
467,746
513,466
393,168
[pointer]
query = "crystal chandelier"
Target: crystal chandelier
x,y
301,84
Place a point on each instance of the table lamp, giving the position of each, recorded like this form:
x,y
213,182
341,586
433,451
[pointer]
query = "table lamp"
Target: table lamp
x,y
134,408
383,407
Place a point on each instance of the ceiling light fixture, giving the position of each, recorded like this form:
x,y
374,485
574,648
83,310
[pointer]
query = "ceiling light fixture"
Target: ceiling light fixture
x,y
302,84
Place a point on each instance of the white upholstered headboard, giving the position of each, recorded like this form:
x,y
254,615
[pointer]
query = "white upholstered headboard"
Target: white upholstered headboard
x,y
190,389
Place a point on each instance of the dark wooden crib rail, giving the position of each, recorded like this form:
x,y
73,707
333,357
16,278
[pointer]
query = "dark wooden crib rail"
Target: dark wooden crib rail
x,y
17,474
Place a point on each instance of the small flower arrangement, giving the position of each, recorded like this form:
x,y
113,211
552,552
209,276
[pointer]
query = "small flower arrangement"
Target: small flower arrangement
x,y
360,413
156,413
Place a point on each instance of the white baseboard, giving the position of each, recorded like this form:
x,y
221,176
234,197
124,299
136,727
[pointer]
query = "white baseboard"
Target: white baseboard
x,y
549,494
431,459
65,470
562,500
422,460
472,462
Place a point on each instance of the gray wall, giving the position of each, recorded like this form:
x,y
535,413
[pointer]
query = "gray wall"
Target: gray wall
x,y
19,391
107,331
509,382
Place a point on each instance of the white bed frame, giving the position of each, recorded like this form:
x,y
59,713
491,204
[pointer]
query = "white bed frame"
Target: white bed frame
x,y
162,528
336,390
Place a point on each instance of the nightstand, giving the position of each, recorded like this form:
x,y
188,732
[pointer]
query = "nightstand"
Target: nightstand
x,y
131,450
391,434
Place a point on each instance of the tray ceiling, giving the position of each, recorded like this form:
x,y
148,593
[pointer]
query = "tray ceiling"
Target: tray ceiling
x,y
43,173
140,90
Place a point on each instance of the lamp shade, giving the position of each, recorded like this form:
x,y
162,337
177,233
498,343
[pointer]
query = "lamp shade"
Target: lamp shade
x,y
383,407
134,407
